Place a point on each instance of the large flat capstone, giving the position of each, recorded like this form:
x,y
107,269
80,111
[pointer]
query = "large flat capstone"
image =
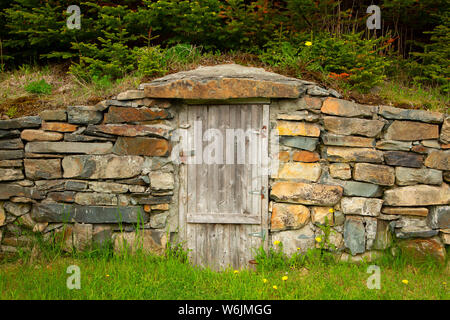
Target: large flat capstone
x,y
226,81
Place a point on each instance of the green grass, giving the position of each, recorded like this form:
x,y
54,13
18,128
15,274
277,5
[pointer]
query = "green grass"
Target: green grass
x,y
140,276
39,87
415,97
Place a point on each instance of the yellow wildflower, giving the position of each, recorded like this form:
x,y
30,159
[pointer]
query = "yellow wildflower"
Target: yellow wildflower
x,y
405,281
276,242
308,43
318,239
236,271
331,210
284,278
265,280
275,287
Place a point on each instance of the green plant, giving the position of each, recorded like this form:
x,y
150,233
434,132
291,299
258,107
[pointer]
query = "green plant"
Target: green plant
x,y
102,83
326,230
11,112
110,55
39,87
151,61
273,259
433,66
182,54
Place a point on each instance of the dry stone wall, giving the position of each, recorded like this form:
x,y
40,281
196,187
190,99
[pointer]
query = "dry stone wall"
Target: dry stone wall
x,y
89,173
371,172
95,174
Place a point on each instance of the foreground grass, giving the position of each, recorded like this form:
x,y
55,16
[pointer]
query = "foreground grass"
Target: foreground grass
x,y
151,277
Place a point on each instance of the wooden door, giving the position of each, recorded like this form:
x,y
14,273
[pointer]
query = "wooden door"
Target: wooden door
x,y
223,204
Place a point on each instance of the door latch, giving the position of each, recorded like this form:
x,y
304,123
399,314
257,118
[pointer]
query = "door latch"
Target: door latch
x,y
258,192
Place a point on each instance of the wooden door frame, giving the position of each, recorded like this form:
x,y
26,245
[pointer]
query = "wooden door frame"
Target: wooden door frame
x,y
182,193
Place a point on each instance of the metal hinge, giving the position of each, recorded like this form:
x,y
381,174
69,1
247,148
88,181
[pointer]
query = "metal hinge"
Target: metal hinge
x,y
190,153
261,234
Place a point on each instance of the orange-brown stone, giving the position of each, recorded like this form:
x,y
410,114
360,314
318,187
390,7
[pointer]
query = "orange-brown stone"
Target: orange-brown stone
x,y
128,130
422,249
222,89
40,135
291,128
306,193
142,146
59,127
313,102
288,216
223,82
283,156
121,114
339,107
305,156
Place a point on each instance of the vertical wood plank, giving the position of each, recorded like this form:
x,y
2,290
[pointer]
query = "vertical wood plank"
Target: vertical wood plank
x,y
238,167
182,195
191,188
265,177
213,190
201,230
254,110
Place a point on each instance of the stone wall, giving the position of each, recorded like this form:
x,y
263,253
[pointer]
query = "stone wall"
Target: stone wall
x,y
374,172
93,174
94,170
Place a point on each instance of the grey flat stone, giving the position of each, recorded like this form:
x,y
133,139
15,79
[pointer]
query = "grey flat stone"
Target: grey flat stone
x,y
11,154
439,217
303,143
410,114
354,236
20,123
54,212
9,134
12,190
69,147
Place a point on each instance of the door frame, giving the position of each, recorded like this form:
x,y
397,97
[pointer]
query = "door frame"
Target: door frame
x,y
183,177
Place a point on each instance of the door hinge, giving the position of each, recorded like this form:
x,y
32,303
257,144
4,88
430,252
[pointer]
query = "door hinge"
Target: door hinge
x,y
261,234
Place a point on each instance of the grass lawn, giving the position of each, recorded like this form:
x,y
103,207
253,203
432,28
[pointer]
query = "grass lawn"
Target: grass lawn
x,y
151,277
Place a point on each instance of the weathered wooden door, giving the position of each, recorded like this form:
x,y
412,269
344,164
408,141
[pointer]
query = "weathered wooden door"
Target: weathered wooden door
x,y
223,203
